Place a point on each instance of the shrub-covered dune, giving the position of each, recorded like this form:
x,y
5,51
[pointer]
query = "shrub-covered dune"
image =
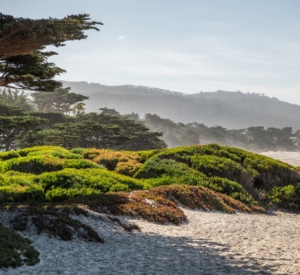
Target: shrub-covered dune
x,y
148,184
54,174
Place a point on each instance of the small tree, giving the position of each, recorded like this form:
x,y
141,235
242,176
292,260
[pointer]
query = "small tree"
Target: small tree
x,y
16,98
62,100
78,109
14,124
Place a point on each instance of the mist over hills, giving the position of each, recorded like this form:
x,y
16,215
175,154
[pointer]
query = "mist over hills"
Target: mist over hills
x,y
233,110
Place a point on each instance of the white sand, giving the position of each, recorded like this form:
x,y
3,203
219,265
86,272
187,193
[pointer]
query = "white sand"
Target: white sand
x,y
209,243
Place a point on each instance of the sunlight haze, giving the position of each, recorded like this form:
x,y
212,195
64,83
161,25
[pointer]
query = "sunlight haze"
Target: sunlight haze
x,y
184,46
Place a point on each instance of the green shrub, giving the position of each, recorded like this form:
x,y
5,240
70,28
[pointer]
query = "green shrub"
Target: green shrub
x,y
60,194
43,163
24,152
8,155
125,163
119,187
77,150
287,196
157,172
32,164
145,155
95,178
218,166
156,167
56,153
79,164
20,193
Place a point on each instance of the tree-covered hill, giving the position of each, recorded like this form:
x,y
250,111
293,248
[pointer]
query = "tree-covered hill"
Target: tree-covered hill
x,y
228,109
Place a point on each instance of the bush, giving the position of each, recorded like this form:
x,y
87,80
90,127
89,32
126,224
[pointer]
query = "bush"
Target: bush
x,y
43,163
24,152
32,164
125,163
60,194
98,179
56,153
79,164
287,196
156,167
119,187
19,187
8,155
218,166
21,193
145,155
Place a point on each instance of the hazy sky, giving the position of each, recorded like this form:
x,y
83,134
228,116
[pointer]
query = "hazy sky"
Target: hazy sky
x,y
187,46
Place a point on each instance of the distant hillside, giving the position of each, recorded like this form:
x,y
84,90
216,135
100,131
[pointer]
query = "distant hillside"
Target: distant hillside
x,y
227,109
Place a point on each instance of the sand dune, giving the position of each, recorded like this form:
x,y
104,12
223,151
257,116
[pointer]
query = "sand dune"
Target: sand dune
x,y
209,243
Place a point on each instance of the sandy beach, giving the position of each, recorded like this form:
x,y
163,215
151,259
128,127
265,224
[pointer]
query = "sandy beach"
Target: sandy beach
x,y
209,243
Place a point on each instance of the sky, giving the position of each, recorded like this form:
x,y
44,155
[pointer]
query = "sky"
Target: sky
x,y
181,45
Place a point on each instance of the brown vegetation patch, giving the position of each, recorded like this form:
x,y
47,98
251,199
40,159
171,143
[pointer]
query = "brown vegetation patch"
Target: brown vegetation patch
x,y
161,204
120,162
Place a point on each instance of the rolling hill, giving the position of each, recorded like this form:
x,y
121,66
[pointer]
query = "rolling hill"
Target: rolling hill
x,y
228,109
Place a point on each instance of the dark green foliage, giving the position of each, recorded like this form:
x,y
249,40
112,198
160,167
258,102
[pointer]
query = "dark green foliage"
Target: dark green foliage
x,y
16,98
158,172
61,101
156,167
30,71
52,118
22,63
132,136
266,172
92,131
30,34
10,110
232,171
15,250
12,128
